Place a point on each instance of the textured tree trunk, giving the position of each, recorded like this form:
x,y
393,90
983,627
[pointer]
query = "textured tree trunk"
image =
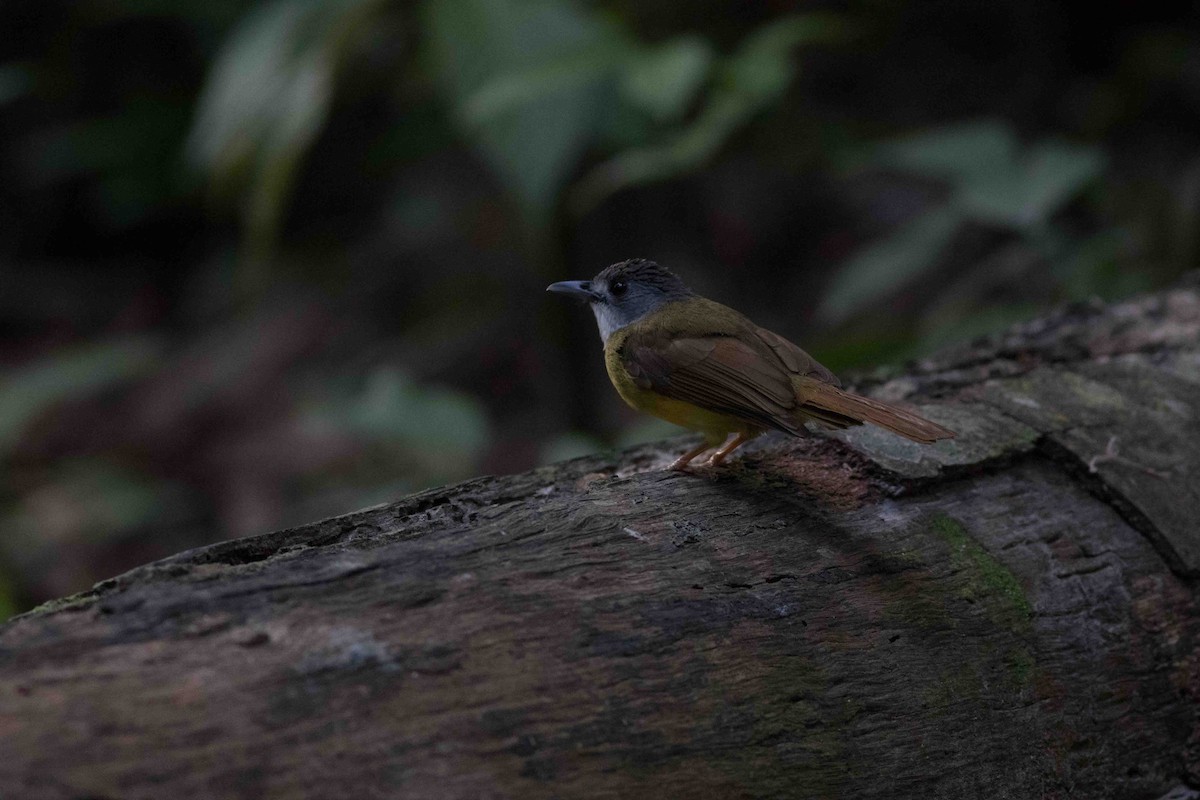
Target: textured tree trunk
x,y
1009,614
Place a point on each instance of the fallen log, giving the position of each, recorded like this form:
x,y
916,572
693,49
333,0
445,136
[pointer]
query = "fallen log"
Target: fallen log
x,y
1009,614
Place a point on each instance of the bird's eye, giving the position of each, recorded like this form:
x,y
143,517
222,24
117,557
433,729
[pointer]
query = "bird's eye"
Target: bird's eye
x,y
618,287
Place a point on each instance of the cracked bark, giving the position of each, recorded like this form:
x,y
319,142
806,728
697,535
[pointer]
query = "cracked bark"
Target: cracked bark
x,y
845,615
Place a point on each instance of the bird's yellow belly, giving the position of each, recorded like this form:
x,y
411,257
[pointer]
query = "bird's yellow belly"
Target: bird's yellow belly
x,y
674,411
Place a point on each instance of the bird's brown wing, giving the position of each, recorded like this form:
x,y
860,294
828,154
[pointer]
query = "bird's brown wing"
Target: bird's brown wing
x,y
719,372
795,359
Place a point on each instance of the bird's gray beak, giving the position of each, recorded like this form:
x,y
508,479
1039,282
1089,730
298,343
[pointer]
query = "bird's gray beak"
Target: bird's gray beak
x,y
581,290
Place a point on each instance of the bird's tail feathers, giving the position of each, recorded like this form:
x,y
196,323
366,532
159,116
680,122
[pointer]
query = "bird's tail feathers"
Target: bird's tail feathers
x,y
840,409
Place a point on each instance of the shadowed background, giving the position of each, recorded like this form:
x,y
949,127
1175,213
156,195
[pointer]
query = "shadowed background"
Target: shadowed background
x,y
265,262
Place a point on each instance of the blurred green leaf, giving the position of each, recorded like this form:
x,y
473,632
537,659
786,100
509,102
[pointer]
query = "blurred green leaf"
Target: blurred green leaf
x,y
30,391
762,65
994,180
682,153
1035,186
1058,171
884,267
745,83
663,80
510,92
445,427
532,81
528,79
267,98
963,153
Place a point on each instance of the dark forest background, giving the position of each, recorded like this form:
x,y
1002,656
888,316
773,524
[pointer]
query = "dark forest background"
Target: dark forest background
x,y
264,262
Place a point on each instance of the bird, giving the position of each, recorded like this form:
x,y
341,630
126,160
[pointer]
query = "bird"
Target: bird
x,y
702,365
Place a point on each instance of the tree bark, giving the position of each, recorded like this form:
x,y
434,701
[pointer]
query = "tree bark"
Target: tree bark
x,y
1009,614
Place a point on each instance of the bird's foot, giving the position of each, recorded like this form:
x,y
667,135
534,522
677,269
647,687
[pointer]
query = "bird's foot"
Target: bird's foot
x,y
681,464
718,457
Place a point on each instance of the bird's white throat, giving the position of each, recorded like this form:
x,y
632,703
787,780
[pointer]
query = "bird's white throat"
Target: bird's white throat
x,y
608,319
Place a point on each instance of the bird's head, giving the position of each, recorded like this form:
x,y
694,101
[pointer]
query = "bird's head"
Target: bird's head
x,y
625,292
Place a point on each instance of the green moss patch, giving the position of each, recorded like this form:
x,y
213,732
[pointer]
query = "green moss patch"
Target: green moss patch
x,y
988,580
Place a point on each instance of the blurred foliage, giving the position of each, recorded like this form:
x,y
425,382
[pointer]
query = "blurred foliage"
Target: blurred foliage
x,y
991,182
267,261
756,75
436,428
529,81
266,99
551,80
57,378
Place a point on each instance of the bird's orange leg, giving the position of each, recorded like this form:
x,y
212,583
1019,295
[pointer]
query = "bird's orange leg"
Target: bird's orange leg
x,y
681,463
727,448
